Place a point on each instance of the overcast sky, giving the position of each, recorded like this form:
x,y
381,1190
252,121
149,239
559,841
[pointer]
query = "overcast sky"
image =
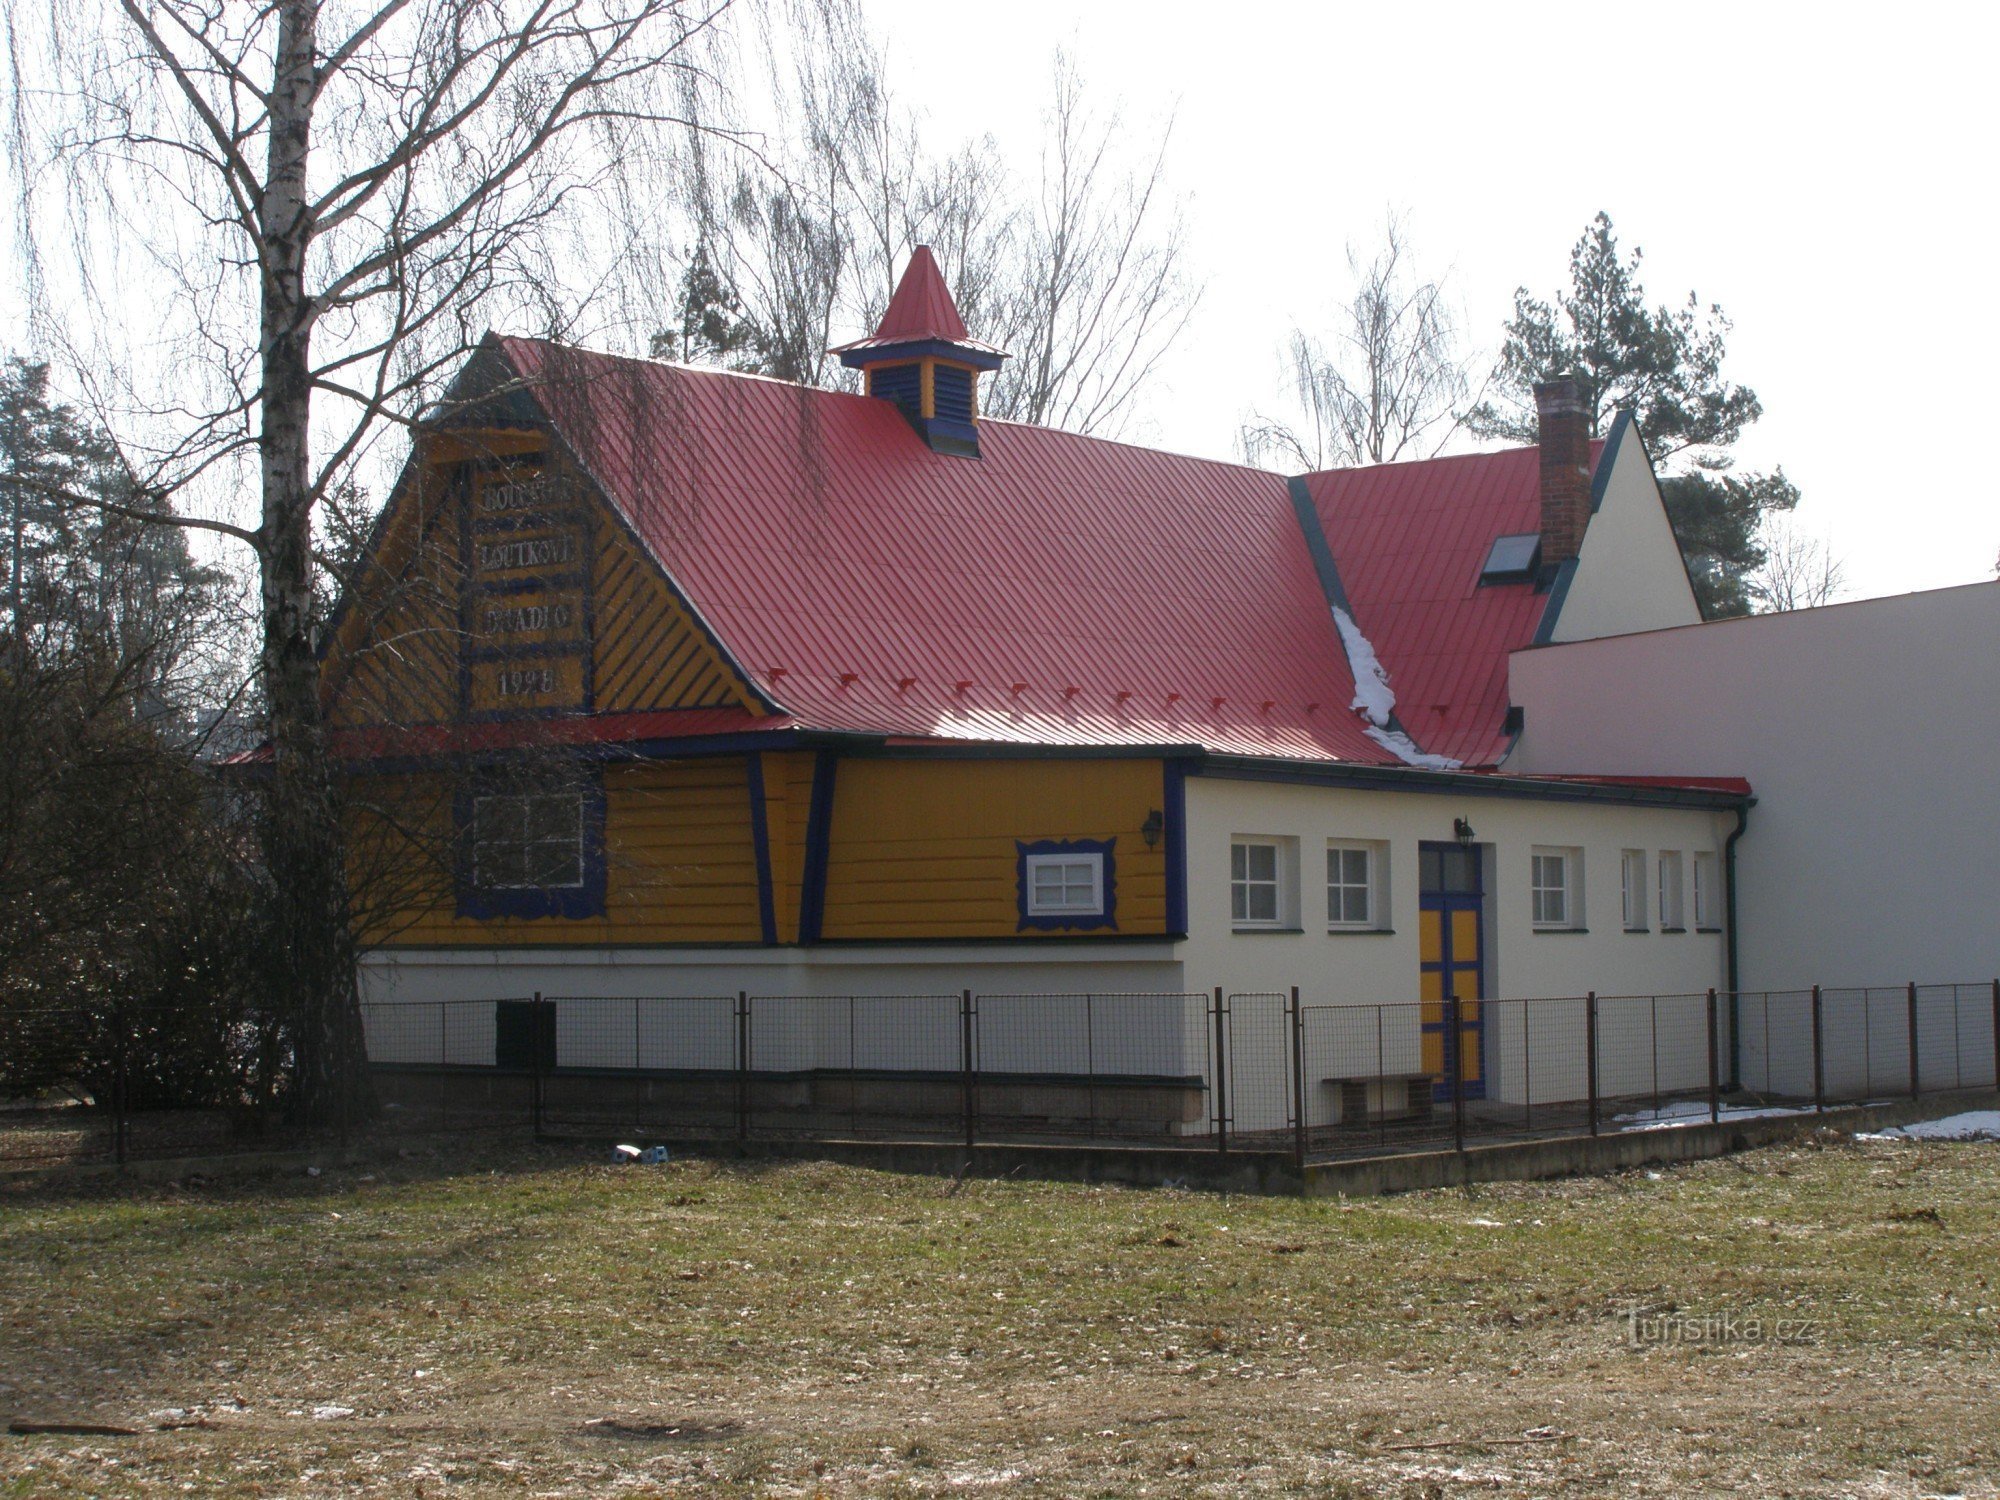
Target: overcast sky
x,y
1826,174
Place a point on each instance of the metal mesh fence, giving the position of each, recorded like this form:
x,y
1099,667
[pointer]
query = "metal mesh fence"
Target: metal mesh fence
x,y
1221,1071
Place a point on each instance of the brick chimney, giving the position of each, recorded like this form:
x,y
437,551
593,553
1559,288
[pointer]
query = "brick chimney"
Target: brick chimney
x,y
1565,446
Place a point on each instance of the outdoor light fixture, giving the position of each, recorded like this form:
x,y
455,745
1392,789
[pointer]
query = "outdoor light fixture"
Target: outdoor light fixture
x,y
1150,829
1462,830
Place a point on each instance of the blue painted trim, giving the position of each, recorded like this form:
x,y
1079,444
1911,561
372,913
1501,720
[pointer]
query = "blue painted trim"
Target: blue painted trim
x,y
760,837
1552,606
1316,545
1177,866
1621,423
945,435
914,349
1067,921
505,586
819,832
573,903
1444,903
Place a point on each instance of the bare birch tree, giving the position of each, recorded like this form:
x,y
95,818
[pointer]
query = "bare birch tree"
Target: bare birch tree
x,y
263,234
1101,291
1800,571
1080,274
1388,385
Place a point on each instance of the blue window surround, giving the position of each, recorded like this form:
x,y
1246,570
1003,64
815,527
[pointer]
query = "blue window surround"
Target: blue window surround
x,y
1067,921
586,900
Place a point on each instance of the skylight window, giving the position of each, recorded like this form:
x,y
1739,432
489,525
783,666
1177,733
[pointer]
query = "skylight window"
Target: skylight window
x,y
1512,559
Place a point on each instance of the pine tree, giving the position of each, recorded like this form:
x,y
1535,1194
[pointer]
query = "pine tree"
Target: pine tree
x,y
1664,364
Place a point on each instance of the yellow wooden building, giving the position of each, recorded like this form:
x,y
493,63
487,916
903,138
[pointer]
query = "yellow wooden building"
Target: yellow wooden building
x,y
665,680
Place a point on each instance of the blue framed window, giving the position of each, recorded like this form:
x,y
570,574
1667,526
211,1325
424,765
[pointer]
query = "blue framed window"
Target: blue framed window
x,y
531,850
1067,884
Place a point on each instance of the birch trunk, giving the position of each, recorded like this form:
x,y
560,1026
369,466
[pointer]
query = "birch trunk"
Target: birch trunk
x,y
313,968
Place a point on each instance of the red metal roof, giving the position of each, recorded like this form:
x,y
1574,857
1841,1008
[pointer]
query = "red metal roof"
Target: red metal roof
x,y
1056,590
921,306
1408,540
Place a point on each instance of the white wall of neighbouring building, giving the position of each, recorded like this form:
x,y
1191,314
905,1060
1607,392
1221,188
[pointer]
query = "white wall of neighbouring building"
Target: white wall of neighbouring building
x,y
1870,732
1361,989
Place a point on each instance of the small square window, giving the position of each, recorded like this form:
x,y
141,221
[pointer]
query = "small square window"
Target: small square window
x,y
1556,885
1672,916
1354,885
1633,868
1065,885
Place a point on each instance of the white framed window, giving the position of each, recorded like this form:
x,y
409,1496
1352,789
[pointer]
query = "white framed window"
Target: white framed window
x,y
1672,913
1263,882
1556,885
1356,884
528,841
1632,867
1707,893
1062,885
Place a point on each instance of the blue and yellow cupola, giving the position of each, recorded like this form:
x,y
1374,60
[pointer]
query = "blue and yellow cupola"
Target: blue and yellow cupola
x,y
921,359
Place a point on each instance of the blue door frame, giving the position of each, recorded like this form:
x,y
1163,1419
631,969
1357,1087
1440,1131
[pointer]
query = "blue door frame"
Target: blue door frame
x,y
1451,887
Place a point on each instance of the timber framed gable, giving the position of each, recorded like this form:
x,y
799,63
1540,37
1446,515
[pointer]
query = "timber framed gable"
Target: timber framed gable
x,y
504,585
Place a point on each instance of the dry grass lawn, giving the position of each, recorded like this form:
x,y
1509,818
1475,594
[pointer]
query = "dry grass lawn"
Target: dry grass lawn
x,y
532,1325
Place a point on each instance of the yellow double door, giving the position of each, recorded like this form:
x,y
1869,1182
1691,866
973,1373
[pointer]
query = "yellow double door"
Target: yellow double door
x,y
1449,941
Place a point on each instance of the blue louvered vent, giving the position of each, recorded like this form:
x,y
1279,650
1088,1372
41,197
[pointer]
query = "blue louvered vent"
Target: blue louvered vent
x,y
902,384
953,391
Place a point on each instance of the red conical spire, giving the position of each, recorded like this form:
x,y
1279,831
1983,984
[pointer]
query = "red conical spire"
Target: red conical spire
x,y
922,307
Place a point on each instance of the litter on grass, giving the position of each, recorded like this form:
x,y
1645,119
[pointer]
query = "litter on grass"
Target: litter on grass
x,y
1973,1125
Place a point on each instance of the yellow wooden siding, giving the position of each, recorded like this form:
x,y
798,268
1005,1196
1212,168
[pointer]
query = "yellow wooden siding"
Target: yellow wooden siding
x,y
788,779
927,849
680,866
650,651
394,659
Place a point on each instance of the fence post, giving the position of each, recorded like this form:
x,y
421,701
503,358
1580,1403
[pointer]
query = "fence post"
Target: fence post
x,y
120,1093
1916,1091
1221,1073
1298,1082
742,1065
1590,1053
1819,1053
1455,1061
1714,1063
538,1029
966,1067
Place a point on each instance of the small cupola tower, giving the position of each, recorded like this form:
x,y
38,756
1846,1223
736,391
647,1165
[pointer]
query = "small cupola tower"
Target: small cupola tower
x,y
922,360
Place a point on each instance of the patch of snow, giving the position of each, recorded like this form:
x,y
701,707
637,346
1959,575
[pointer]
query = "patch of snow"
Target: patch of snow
x,y
1372,693
1973,1125
1695,1112
1376,699
1405,749
331,1413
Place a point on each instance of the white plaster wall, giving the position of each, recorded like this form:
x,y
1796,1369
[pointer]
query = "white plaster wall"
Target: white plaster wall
x,y
1871,734
1344,977
1067,1008
1629,574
